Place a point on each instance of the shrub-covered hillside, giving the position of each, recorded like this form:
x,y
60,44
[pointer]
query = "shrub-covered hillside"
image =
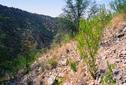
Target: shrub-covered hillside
x,y
20,30
22,34
85,45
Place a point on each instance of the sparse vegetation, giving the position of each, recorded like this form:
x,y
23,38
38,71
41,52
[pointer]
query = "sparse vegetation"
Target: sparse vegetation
x,y
12,67
107,78
52,62
23,34
58,81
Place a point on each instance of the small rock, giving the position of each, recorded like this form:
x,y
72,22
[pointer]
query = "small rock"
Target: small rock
x,y
121,55
115,72
120,34
123,83
67,83
63,56
61,75
30,82
92,83
51,79
41,83
105,57
117,60
63,62
100,72
67,51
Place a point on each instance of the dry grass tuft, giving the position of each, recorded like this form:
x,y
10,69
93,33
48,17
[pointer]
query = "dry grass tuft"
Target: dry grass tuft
x,y
117,20
114,26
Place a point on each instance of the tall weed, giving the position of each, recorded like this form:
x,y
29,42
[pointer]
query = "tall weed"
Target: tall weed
x,y
107,78
88,39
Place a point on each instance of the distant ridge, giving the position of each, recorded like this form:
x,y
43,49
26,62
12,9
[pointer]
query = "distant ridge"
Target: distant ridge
x,y
20,30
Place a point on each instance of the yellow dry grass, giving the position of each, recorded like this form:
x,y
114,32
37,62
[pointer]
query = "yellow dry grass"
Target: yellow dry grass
x,y
114,26
117,19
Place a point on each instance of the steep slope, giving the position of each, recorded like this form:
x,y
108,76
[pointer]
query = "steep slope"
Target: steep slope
x,y
112,50
45,73
22,32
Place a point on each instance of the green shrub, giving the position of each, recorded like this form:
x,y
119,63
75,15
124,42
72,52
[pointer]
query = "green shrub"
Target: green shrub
x,y
52,62
58,81
107,79
73,66
89,37
3,18
62,37
88,43
21,62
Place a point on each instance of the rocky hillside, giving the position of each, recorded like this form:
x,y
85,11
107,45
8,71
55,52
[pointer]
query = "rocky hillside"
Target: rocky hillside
x,y
62,64
113,51
22,34
55,65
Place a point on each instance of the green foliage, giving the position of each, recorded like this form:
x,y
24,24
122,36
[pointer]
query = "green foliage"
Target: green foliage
x,y
118,6
73,66
13,66
22,34
3,18
58,81
52,62
65,25
20,30
74,11
89,37
66,38
61,37
88,45
107,79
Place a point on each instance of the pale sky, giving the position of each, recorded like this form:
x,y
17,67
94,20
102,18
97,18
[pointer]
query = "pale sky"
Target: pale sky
x,y
46,7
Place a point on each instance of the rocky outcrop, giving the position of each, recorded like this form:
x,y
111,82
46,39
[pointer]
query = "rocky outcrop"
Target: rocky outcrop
x,y
113,51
